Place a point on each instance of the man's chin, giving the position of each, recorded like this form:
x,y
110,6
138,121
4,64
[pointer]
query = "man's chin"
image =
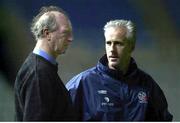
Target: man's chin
x,y
113,65
62,52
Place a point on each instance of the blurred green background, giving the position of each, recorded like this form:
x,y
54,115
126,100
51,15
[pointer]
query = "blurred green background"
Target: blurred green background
x,y
157,50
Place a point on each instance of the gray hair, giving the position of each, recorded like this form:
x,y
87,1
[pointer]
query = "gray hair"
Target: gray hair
x,y
45,20
130,27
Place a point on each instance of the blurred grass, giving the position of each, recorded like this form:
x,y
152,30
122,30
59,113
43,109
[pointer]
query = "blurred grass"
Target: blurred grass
x,y
6,100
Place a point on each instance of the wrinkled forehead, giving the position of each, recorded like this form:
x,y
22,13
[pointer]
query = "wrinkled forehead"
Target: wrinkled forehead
x,y
66,28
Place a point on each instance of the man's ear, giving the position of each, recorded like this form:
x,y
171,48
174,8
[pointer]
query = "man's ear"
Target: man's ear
x,y
46,34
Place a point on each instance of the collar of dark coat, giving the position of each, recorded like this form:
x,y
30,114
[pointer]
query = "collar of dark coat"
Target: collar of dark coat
x,y
131,74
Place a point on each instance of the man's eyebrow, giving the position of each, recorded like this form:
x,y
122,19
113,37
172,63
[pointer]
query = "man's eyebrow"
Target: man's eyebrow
x,y
66,31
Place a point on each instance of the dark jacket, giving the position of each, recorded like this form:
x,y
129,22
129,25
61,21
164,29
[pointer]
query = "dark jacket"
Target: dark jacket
x,y
40,94
103,94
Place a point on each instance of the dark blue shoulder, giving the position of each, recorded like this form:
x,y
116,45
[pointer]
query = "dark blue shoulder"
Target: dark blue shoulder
x,y
75,81
145,77
148,82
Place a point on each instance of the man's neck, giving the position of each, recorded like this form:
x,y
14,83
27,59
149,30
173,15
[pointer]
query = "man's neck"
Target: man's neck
x,y
124,67
45,55
43,45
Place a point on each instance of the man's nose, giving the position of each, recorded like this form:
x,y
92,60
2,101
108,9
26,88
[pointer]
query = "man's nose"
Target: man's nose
x,y
70,38
112,47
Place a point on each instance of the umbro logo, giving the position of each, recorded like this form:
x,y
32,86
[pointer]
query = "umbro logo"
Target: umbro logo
x,y
102,91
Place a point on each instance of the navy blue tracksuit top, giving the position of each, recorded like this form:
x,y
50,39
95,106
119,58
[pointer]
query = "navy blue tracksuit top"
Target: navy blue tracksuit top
x,y
103,94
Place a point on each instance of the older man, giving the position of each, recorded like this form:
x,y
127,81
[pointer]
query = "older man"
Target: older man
x,y
40,95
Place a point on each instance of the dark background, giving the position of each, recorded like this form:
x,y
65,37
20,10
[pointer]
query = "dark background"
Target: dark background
x,y
157,50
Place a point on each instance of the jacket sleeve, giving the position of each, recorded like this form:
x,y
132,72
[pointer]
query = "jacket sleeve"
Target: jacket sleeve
x,y
74,87
158,106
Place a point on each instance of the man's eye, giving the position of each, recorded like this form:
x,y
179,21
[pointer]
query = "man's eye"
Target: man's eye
x,y
108,43
65,33
119,43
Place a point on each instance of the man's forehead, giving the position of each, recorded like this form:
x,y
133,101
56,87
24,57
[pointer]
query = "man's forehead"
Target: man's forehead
x,y
66,28
115,31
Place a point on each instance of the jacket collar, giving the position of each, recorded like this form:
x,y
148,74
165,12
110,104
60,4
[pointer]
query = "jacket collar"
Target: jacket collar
x,y
102,66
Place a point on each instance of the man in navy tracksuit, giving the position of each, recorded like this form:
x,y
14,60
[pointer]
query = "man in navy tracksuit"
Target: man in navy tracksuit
x,y
116,89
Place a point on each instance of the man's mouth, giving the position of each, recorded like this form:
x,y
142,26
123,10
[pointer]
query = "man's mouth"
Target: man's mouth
x,y
113,58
